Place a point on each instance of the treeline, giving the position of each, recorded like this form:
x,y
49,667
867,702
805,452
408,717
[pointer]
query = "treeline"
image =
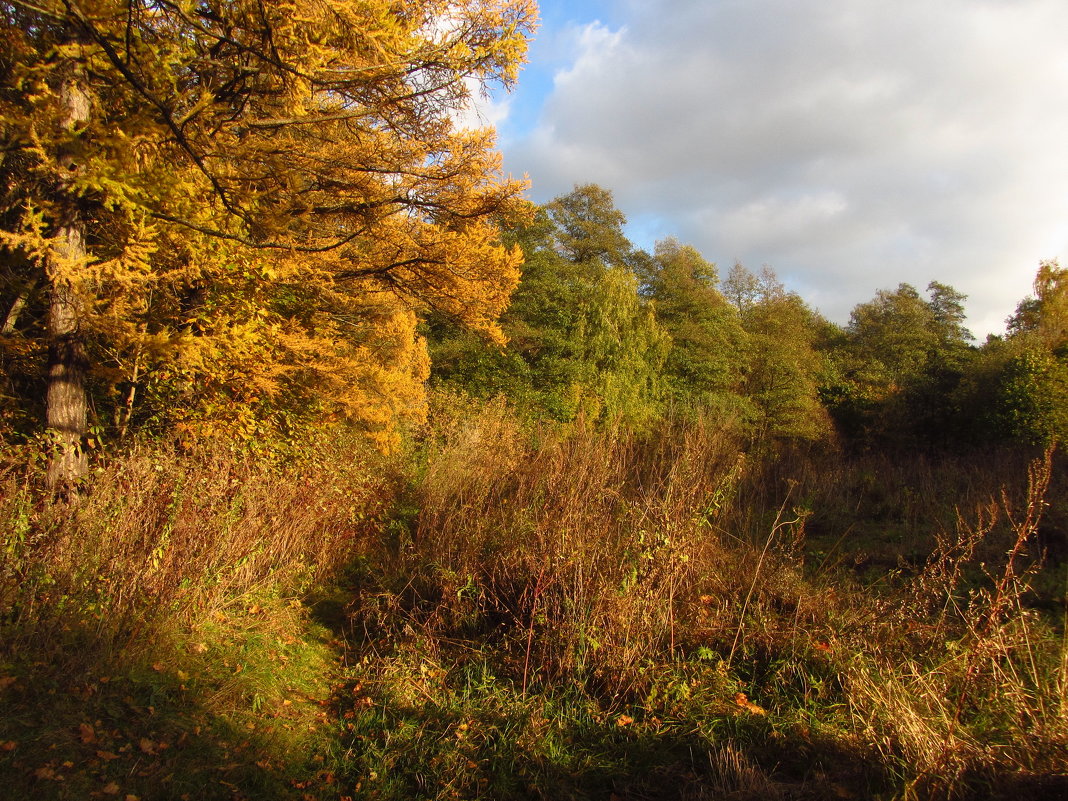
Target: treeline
x,y
601,329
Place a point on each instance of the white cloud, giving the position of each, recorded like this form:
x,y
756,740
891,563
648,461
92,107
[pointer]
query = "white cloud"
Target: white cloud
x,y
851,144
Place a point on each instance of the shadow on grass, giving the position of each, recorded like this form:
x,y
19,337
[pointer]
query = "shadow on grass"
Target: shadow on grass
x,y
79,723
426,725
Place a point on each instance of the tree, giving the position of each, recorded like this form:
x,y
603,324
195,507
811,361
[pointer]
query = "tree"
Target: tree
x,y
900,363
581,337
1030,375
745,289
707,360
785,365
589,227
1044,316
156,149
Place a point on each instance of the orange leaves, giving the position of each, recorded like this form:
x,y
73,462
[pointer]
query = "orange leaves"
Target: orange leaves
x,y
743,702
247,249
86,733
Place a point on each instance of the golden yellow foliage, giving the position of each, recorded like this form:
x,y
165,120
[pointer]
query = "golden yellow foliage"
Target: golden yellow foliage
x,y
268,194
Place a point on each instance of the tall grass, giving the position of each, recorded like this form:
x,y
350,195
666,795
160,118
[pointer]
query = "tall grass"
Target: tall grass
x,y
578,600
606,560
589,547
159,537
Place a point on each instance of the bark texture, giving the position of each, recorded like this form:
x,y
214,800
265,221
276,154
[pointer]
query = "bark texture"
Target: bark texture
x,y
66,405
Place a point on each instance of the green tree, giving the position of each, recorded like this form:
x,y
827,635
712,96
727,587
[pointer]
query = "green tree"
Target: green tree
x,y
1044,316
1029,370
707,361
899,364
786,369
581,337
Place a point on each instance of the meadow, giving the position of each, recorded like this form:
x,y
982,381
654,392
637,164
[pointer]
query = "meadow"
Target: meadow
x,y
506,609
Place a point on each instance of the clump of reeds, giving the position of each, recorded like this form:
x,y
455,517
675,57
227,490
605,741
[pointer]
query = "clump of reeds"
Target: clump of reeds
x,y
588,549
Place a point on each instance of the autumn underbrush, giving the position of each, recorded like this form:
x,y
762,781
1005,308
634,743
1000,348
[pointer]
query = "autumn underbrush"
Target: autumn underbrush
x,y
156,637
641,614
513,610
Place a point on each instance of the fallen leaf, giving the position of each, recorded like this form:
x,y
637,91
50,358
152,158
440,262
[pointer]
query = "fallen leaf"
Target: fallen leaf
x,y
159,667
111,788
624,720
45,772
6,681
147,746
86,733
198,647
741,700
9,745
107,756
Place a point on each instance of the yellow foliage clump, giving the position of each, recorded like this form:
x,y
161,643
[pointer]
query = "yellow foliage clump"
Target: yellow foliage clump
x,y
247,206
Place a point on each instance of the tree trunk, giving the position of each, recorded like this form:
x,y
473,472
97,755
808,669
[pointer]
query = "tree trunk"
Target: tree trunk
x,y
66,406
12,319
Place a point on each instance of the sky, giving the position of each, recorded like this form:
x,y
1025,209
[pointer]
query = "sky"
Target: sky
x,y
851,145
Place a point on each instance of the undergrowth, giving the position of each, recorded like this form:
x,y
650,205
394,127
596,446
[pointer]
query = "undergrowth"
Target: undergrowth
x,y
518,611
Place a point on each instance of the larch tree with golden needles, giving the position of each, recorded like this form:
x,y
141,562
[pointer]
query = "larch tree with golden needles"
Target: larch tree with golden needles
x,y
248,201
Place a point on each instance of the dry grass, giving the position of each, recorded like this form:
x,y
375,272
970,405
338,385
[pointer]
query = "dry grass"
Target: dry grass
x,y
980,694
589,557
587,545
160,538
584,600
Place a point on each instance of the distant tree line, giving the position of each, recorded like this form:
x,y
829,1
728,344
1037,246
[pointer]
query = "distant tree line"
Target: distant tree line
x,y
600,328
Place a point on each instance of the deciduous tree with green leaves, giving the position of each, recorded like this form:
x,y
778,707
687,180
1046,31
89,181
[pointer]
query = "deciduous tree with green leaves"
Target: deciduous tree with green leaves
x,y
1029,370
708,359
581,337
899,363
786,365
